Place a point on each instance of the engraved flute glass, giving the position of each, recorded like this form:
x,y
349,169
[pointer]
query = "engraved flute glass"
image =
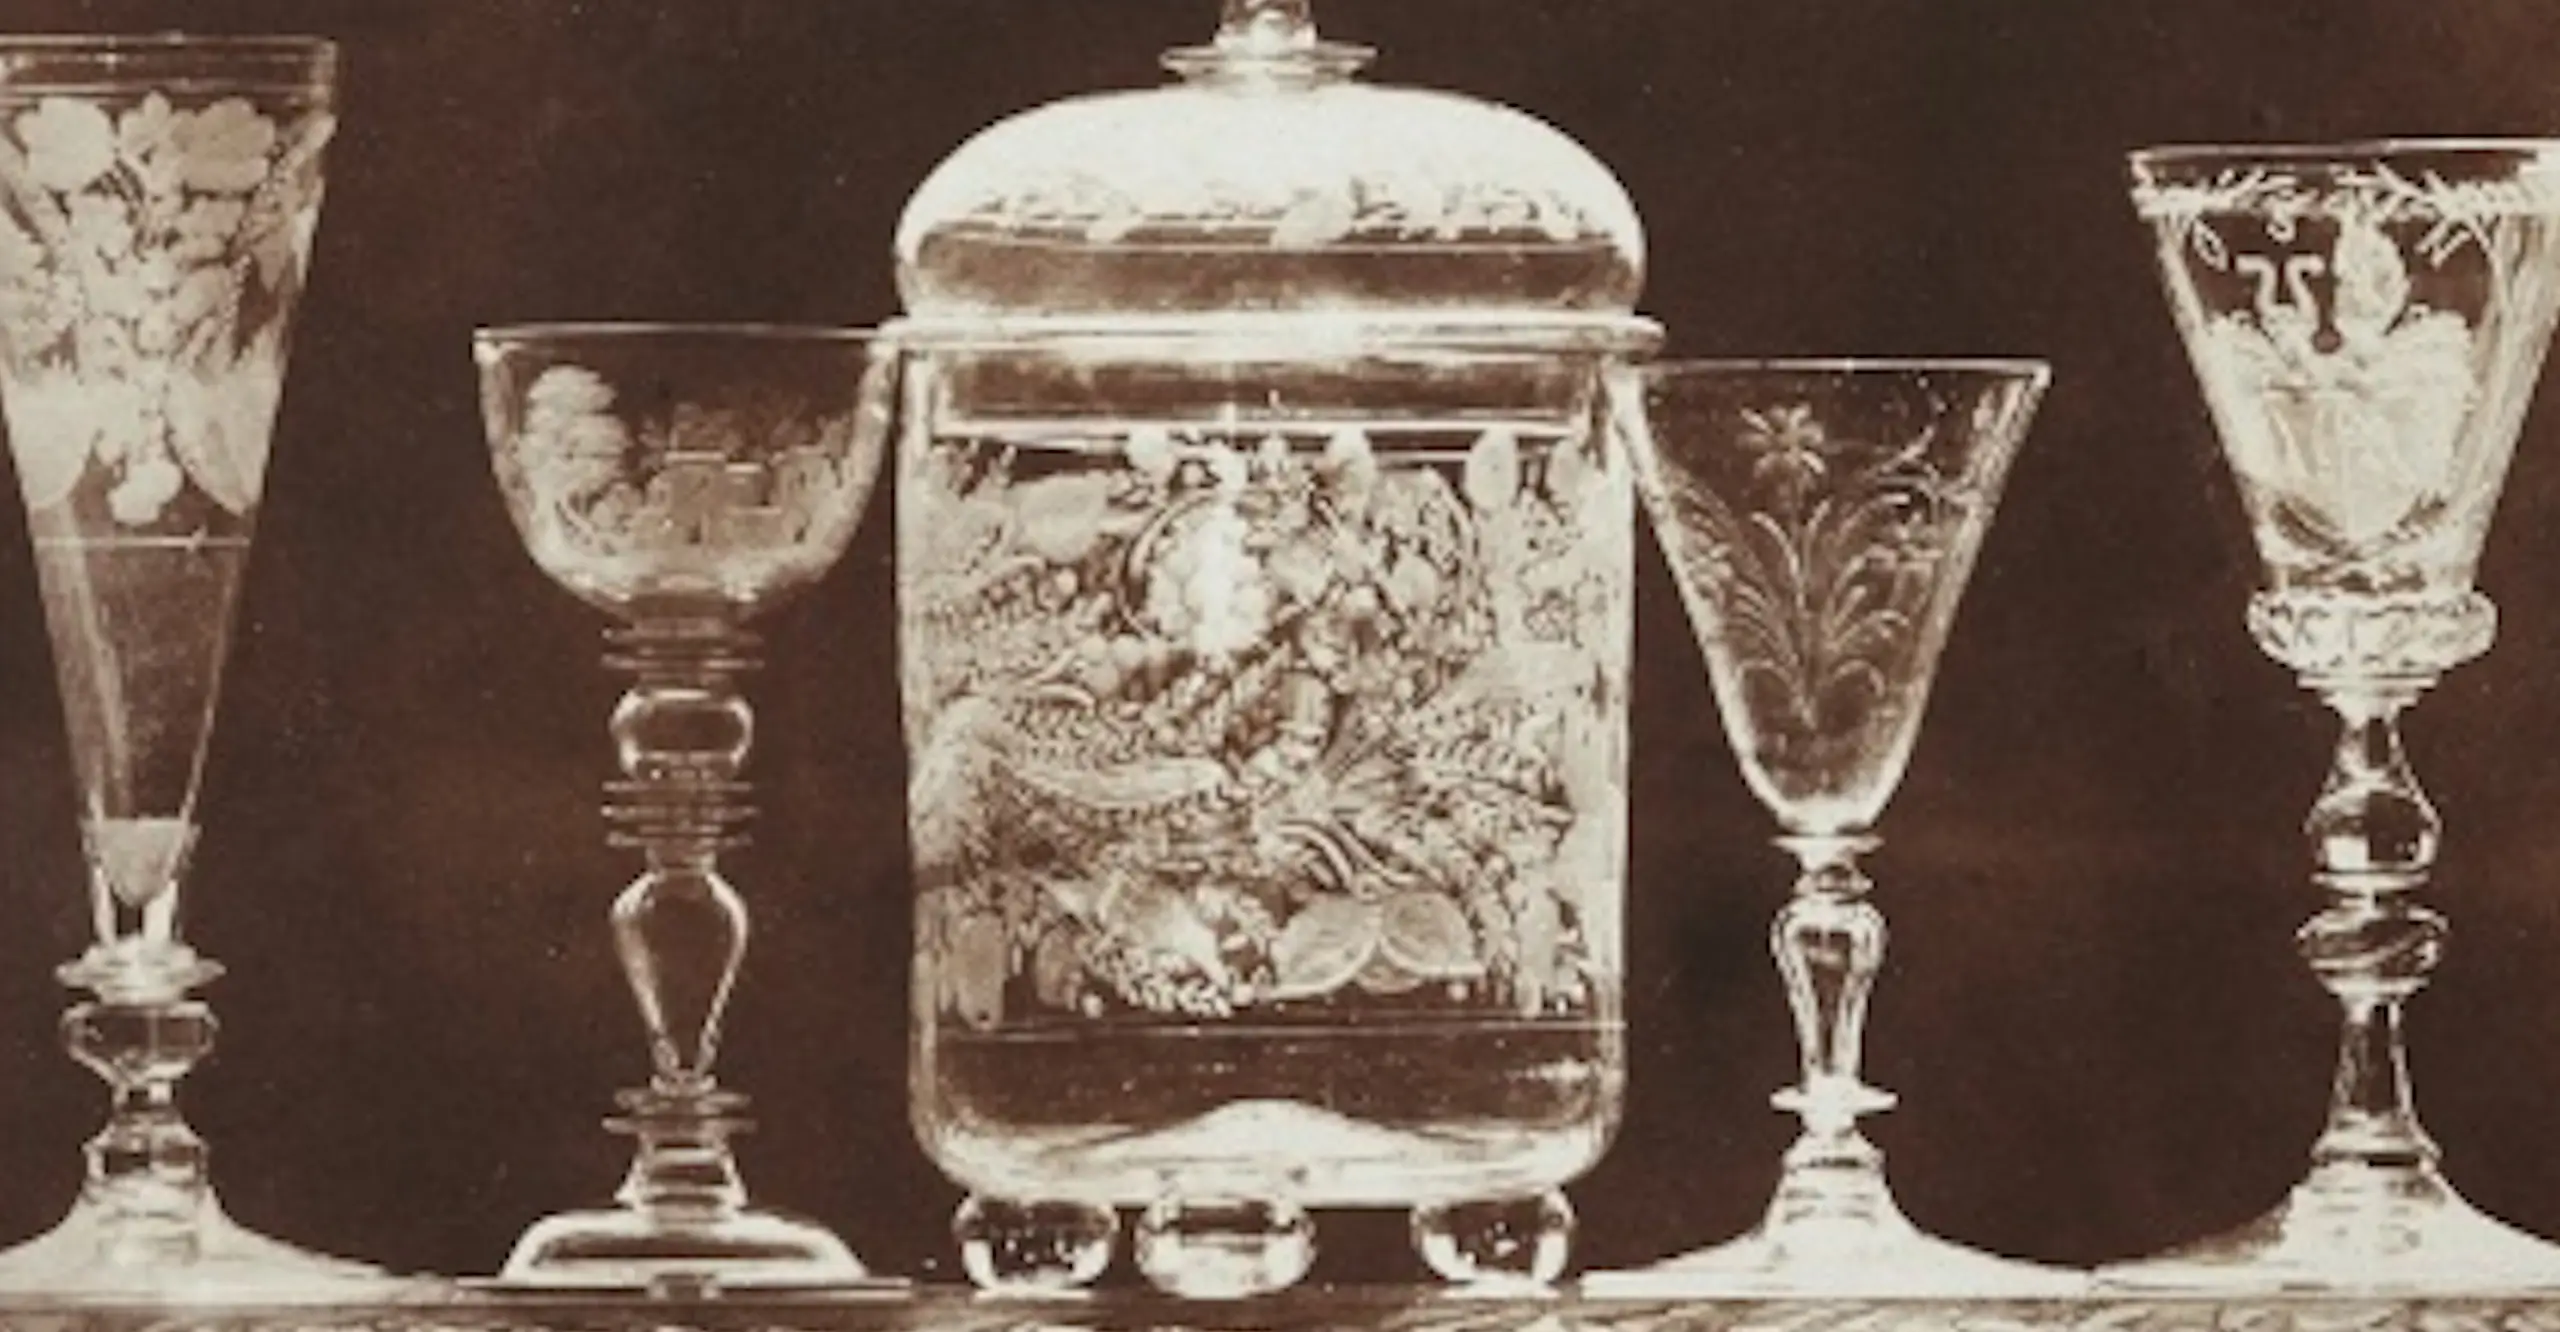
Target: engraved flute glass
x,y
1821,519
158,198
2367,322
683,479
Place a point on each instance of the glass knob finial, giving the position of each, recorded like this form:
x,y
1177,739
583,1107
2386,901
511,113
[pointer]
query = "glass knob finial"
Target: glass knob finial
x,y
1267,27
1268,43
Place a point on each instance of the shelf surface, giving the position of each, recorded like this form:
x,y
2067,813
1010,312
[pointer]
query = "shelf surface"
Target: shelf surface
x,y
1384,1309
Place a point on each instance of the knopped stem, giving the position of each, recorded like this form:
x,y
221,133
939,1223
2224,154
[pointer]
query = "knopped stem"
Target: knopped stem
x,y
1829,941
682,733
148,1187
2374,836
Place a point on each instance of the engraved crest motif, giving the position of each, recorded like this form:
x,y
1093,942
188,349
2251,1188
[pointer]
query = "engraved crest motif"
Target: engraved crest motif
x,y
2351,325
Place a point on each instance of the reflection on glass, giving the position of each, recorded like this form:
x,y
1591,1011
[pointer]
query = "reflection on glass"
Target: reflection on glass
x,y
1821,519
158,198
2367,322
683,479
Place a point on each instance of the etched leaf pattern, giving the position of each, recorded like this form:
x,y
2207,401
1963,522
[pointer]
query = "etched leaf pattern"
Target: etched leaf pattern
x,y
150,258
1076,202
1251,721
1814,579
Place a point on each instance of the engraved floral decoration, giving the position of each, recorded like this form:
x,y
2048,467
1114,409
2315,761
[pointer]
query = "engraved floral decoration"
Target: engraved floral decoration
x,y
1822,569
2364,334
1258,723
149,260
736,496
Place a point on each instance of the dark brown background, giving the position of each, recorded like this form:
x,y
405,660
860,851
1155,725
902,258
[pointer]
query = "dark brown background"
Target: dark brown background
x,y
2092,1011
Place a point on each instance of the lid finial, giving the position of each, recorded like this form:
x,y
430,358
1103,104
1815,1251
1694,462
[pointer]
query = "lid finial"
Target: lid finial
x,y
1267,27
1267,43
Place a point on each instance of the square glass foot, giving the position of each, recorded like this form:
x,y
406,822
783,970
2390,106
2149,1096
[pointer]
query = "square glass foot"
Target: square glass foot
x,y
92,1257
629,1251
2356,1230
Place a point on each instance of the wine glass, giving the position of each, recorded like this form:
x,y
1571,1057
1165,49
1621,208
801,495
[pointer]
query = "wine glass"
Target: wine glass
x,y
158,198
2367,321
1821,518
683,479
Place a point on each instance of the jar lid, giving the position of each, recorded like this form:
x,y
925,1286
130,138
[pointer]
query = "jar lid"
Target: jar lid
x,y
1268,181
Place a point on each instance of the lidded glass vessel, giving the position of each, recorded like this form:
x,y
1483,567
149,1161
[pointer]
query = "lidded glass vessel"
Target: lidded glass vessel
x,y
1265,611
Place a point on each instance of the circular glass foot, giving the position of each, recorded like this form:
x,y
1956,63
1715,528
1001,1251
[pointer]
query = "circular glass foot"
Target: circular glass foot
x,y
2356,1230
1035,1248
1869,1255
94,1258
628,1250
1224,1249
1502,1247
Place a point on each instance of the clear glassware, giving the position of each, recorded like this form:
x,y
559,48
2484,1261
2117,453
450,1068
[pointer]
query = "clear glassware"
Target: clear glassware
x,y
1821,519
683,479
158,197
2367,321
1268,800
1265,611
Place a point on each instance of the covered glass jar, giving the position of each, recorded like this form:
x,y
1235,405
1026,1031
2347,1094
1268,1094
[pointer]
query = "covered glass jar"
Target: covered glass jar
x,y
1265,617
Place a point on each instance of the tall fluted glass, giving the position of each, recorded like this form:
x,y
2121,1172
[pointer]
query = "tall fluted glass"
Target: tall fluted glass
x,y
2367,321
158,197
1821,519
683,479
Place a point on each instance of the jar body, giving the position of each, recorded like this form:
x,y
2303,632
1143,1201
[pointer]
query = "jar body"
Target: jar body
x,y
1267,717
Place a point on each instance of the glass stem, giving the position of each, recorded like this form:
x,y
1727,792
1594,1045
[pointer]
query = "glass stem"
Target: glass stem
x,y
147,1183
1829,941
2374,836
682,733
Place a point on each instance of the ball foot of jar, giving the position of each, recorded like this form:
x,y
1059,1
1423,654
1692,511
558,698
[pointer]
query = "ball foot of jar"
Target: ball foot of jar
x,y
1497,1247
1033,1248
1224,1248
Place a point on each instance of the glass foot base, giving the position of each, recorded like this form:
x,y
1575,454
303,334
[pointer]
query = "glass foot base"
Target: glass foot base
x,y
1223,1248
1496,1248
95,1258
624,1250
1873,1254
2359,1230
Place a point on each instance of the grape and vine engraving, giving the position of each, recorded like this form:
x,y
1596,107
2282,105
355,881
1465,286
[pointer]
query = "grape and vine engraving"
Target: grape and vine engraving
x,y
149,259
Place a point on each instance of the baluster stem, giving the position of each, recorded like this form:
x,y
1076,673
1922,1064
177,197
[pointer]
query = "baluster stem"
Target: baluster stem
x,y
683,733
2374,836
1829,942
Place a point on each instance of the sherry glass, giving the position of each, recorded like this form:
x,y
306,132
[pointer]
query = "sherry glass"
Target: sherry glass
x,y
158,198
1821,519
2367,321
683,479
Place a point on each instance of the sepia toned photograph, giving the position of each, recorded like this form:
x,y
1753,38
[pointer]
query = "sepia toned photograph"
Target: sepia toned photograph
x,y
1278,664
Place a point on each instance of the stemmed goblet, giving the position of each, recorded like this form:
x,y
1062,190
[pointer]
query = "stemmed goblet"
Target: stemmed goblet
x,y
1821,519
683,479
158,198
2367,321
